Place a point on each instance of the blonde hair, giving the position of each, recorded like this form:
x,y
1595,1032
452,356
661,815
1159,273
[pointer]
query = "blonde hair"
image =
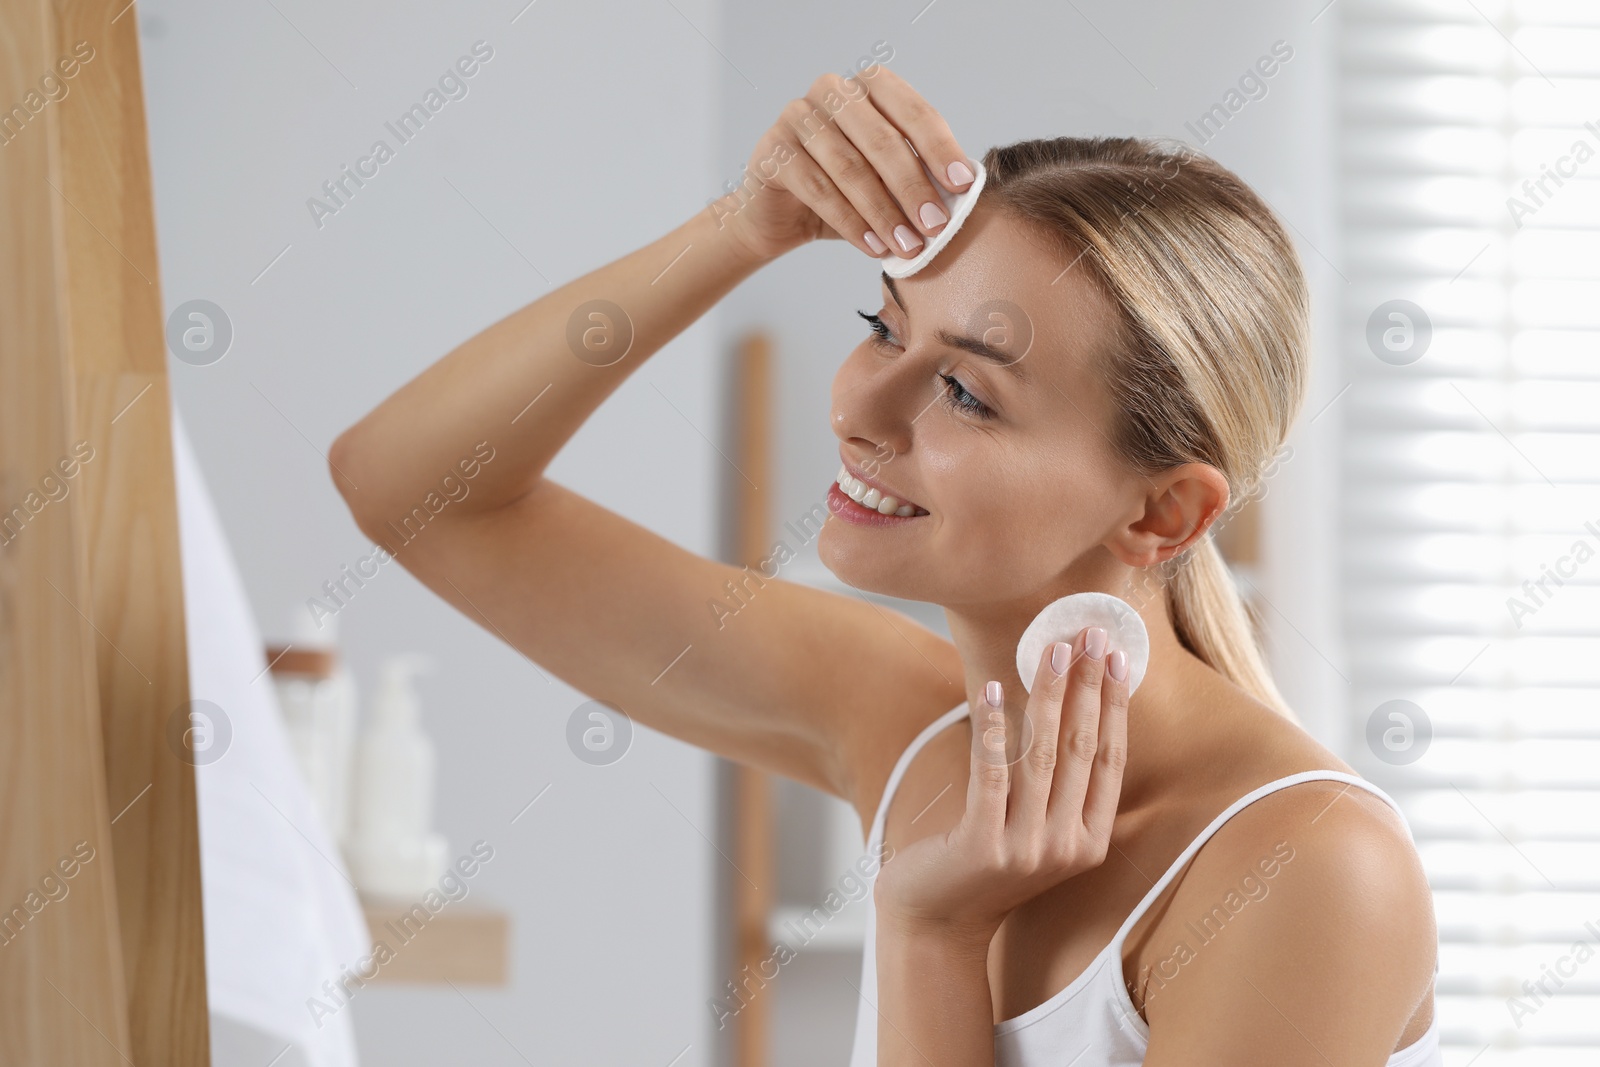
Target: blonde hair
x,y
1209,363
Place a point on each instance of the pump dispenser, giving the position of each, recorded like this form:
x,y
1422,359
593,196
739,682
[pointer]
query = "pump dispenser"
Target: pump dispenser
x,y
392,850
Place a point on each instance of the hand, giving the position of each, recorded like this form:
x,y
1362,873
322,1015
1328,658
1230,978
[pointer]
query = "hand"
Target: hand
x,y
1026,831
836,164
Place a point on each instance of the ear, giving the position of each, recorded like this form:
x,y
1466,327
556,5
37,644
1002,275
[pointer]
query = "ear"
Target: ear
x,y
1177,509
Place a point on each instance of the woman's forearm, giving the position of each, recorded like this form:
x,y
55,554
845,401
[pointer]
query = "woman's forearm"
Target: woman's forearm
x,y
554,354
934,1005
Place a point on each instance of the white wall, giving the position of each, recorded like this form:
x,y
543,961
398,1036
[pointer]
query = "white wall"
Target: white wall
x,y
588,133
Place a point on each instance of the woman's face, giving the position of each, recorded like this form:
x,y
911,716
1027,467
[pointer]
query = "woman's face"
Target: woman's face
x,y
1006,457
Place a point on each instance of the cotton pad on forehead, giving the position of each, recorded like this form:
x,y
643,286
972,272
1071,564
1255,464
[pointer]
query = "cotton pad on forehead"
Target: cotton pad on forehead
x,y
957,205
1063,619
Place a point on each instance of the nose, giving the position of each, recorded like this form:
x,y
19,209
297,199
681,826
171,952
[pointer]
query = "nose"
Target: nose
x,y
878,401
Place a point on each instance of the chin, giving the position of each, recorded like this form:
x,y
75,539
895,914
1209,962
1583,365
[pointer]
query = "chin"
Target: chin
x,y
851,555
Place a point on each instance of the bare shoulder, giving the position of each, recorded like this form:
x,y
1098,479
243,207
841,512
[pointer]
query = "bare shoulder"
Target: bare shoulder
x,y
1351,841
1326,906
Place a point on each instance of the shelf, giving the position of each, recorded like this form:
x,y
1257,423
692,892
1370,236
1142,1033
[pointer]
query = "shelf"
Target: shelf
x,y
465,941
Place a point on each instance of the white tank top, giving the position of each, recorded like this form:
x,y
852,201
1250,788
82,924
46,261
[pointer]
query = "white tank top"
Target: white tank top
x,y
1092,1022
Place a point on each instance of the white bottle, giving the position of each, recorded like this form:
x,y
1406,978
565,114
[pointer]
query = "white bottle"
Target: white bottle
x,y
317,699
391,849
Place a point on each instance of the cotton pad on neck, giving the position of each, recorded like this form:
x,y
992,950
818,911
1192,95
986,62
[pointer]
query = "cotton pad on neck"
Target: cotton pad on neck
x,y
957,205
1063,619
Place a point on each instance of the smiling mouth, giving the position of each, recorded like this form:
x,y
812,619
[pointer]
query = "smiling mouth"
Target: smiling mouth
x,y
873,499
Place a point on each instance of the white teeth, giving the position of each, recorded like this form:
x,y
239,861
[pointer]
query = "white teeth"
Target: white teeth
x,y
869,497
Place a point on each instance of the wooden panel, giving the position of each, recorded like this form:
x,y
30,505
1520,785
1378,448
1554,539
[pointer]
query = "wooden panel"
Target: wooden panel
x,y
753,836
118,350
61,969
78,179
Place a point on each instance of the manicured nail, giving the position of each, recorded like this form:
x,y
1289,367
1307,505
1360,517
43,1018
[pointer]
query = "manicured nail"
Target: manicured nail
x,y
991,693
932,215
1118,665
907,238
1094,645
875,243
960,173
1060,657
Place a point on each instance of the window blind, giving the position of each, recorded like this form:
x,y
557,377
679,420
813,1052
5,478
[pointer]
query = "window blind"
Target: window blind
x,y
1470,159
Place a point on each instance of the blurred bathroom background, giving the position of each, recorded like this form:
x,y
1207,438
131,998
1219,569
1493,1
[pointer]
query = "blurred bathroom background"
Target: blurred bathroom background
x,y
1430,476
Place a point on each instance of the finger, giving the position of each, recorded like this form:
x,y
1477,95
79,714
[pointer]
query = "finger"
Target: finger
x,y
855,178
921,124
812,186
885,147
1080,729
1111,754
990,779
1032,781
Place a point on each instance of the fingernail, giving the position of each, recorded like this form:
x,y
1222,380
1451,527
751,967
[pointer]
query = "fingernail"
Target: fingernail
x,y
991,693
1060,657
932,215
960,173
906,238
1095,644
1118,665
875,243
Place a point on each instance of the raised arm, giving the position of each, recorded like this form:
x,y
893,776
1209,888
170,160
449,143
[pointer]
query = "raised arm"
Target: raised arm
x,y
805,683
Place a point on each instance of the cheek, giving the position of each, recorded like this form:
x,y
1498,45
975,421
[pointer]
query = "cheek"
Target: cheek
x,y
1033,510
986,498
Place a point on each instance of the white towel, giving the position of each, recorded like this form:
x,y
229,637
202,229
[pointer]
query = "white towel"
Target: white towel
x,y
280,916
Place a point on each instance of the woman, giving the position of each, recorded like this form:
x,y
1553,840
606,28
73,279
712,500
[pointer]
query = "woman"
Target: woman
x,y
1066,398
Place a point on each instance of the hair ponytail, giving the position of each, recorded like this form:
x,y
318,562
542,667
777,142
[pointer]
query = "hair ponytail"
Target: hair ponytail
x,y
1212,621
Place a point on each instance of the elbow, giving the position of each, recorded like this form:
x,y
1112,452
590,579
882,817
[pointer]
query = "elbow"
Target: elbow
x,y
343,467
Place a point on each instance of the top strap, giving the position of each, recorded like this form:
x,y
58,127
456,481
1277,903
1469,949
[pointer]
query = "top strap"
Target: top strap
x,y
1232,810
948,718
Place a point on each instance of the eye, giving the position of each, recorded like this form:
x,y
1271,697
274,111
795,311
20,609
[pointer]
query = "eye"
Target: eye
x,y
957,398
884,338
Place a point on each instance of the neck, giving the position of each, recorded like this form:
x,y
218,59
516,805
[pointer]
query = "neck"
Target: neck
x,y
1161,712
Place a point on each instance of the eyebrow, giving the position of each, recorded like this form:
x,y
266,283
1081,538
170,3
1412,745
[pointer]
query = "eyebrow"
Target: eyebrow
x,y
968,344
